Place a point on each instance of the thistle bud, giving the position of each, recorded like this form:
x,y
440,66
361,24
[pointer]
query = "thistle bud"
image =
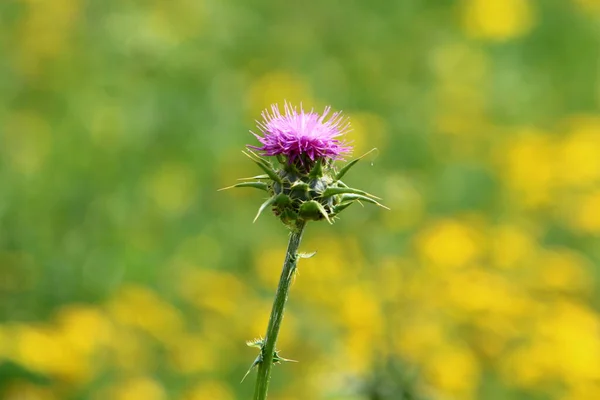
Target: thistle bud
x,y
303,184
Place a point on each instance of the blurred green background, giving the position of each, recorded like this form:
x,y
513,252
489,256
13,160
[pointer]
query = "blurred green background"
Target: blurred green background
x,y
125,275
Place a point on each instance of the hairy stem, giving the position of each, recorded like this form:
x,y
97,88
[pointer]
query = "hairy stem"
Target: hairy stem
x,y
289,266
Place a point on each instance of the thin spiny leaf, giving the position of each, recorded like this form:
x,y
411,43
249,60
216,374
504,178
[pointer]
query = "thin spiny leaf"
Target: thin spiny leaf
x,y
264,205
363,198
342,206
272,174
322,211
265,166
278,359
257,361
330,191
255,157
346,186
256,185
347,167
264,176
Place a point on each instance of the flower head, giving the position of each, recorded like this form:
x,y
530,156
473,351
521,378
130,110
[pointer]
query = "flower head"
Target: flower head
x,y
304,185
302,136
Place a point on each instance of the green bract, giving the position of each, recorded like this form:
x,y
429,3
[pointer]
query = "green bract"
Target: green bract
x,y
298,194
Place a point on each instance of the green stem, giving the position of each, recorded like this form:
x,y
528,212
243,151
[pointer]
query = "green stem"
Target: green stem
x,y
289,266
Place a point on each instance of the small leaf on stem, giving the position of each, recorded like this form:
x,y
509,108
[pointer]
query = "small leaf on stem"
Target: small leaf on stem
x,y
257,185
307,255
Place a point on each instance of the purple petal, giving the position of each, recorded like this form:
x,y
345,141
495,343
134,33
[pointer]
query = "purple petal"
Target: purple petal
x,y
296,133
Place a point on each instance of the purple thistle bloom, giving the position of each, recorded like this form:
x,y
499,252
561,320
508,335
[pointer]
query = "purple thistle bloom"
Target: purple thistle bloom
x,y
297,134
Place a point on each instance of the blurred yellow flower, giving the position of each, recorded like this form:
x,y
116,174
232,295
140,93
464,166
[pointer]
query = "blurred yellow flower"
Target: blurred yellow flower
x,y
449,244
45,32
5,348
419,338
564,347
84,327
268,265
476,290
45,350
579,163
497,19
586,217
359,314
132,353
529,167
320,275
213,290
191,353
213,390
360,350
359,310
140,307
140,388
563,270
454,370
571,331
511,245
391,279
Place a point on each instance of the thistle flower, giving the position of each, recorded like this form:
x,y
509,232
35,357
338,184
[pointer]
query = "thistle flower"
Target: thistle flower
x,y
306,185
302,136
